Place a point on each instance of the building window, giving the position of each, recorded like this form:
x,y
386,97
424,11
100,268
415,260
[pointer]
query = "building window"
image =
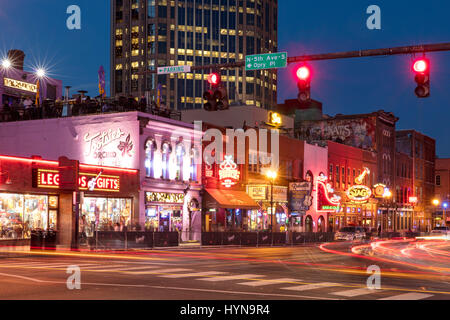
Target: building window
x,y
180,152
438,180
337,176
193,168
166,151
150,148
330,174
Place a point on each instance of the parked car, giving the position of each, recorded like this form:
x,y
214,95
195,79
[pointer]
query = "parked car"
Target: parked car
x,y
441,231
350,233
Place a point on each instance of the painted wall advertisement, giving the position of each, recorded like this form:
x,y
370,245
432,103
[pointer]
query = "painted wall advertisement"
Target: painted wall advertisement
x,y
300,196
359,133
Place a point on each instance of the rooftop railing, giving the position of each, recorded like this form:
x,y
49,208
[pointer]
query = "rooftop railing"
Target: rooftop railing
x,y
72,108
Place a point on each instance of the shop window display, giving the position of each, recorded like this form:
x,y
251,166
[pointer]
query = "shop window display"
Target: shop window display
x,y
106,212
20,214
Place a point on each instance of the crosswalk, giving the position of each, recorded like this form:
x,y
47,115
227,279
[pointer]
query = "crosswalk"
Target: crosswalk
x,y
245,280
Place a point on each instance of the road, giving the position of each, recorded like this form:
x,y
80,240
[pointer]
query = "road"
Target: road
x,y
409,270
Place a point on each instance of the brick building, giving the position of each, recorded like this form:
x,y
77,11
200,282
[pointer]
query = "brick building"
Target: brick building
x,y
442,188
421,150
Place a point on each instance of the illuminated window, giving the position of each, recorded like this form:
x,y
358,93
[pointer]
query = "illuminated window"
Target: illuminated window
x,y
134,53
180,152
166,151
119,67
150,148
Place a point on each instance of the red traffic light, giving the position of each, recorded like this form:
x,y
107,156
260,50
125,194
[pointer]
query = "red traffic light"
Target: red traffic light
x,y
303,73
420,65
213,79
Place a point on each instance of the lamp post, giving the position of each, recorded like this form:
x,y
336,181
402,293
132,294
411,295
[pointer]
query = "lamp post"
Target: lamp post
x,y
386,195
272,175
444,206
435,202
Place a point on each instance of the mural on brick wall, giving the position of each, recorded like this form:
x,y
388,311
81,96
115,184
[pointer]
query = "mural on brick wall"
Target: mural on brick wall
x,y
359,133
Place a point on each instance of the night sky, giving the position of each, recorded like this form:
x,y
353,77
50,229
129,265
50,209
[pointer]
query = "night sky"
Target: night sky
x,y
359,85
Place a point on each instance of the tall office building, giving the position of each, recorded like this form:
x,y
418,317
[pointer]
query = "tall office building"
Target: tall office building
x,y
146,34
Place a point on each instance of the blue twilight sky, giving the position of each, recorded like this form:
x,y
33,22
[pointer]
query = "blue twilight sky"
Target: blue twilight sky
x,y
344,86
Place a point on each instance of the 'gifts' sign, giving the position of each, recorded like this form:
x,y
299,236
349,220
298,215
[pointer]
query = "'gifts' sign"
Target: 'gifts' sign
x,y
45,178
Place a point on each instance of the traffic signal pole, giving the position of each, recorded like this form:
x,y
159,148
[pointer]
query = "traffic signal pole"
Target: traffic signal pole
x,y
435,47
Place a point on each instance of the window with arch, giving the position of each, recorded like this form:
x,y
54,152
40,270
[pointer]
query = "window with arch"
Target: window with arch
x,y
150,148
192,168
180,152
166,150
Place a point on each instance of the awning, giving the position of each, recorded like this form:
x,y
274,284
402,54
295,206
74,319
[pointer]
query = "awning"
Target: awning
x,y
229,199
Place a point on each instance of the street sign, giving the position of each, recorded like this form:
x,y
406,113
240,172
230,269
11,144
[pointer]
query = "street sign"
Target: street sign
x,y
174,69
266,61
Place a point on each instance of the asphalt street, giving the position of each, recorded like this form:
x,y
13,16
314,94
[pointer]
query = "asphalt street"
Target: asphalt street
x,y
408,271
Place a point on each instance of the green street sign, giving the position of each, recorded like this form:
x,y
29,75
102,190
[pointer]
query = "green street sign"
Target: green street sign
x,y
266,61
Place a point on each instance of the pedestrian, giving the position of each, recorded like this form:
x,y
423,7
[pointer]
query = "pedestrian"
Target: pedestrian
x,y
379,231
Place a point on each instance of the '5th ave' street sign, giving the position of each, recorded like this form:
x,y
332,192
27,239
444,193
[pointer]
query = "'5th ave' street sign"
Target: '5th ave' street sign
x,y
174,69
266,61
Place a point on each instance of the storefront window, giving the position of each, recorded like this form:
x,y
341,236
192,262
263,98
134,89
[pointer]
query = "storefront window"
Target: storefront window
x,y
36,212
106,212
20,214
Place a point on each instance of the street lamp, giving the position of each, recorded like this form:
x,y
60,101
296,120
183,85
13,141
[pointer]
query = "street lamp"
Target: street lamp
x,y
386,195
444,206
6,63
435,202
272,175
41,73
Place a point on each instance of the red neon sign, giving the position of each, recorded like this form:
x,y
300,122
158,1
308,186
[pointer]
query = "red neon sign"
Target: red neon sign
x,y
50,179
228,172
324,202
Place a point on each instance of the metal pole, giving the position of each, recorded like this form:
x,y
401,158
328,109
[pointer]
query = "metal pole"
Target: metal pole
x,y
271,207
422,48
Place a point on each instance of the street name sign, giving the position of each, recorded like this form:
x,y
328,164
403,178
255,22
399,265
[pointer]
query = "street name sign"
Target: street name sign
x,y
173,69
266,61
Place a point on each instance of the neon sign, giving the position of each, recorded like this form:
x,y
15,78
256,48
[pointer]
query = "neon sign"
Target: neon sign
x,y
228,172
16,84
50,179
359,194
379,190
164,197
325,203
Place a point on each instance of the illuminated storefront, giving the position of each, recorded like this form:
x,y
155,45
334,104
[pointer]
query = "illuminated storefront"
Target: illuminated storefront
x,y
260,218
163,211
31,198
22,213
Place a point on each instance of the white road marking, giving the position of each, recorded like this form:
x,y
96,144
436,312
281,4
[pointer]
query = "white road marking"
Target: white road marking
x,y
355,292
235,277
105,267
194,274
138,268
259,283
158,271
409,296
305,287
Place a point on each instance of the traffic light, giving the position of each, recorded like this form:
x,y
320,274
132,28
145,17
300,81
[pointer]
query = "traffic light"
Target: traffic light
x,y
421,68
216,96
303,74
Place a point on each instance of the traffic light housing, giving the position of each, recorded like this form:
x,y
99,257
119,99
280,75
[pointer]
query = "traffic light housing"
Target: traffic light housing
x,y
303,74
421,68
216,96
